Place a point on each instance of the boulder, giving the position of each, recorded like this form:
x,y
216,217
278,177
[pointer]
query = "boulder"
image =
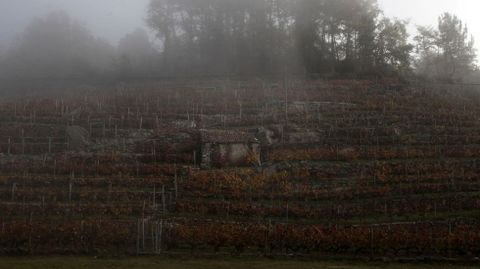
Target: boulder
x,y
79,138
266,137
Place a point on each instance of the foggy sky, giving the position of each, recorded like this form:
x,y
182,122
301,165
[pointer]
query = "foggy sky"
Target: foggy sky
x,y
109,19
426,12
112,19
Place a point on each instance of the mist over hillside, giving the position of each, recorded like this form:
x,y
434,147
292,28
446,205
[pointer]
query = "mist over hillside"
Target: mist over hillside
x,y
351,38
230,133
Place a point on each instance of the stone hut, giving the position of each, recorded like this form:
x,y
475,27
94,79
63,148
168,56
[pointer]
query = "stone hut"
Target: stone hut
x,y
228,148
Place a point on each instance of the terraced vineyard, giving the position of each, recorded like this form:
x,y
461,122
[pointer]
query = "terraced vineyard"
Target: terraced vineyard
x,y
350,168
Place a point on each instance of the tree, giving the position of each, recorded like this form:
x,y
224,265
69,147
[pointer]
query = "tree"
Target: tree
x,y
257,37
162,16
445,53
58,47
123,67
222,36
392,47
136,54
366,35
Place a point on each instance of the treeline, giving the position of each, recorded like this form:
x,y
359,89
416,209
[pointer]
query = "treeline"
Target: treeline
x,y
247,38
329,37
59,47
271,36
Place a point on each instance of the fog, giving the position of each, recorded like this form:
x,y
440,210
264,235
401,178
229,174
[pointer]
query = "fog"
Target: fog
x,y
425,12
274,133
110,19
122,39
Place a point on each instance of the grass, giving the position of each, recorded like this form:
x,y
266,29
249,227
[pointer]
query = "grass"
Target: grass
x,y
168,263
